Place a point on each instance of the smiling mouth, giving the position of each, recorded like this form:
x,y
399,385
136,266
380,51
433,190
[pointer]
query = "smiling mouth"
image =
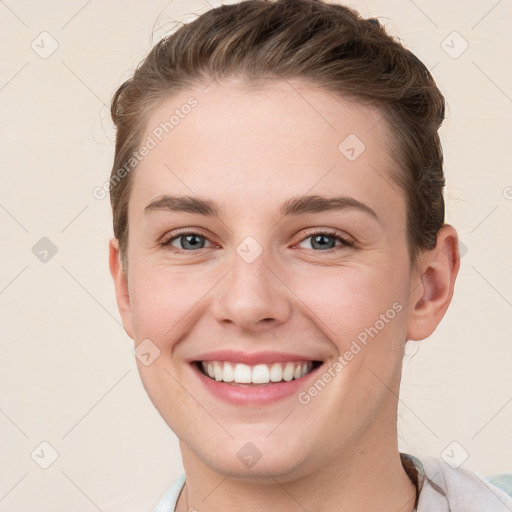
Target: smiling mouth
x,y
258,374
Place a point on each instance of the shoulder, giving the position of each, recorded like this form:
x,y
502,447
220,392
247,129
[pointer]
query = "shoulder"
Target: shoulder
x,y
503,481
444,488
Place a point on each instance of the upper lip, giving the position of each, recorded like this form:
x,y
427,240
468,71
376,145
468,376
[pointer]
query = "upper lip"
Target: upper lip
x,y
251,358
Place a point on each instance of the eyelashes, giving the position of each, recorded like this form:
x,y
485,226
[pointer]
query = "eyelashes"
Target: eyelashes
x,y
182,234
335,235
316,236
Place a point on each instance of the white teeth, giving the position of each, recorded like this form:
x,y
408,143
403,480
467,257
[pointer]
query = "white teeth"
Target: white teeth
x,y
242,373
276,373
217,371
258,374
288,371
229,373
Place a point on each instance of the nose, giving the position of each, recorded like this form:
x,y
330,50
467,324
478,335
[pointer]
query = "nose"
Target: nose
x,y
252,296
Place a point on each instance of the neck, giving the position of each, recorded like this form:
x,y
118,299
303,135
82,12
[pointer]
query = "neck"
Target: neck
x,y
369,479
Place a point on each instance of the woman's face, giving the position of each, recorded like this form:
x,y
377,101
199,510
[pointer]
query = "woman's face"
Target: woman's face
x,y
236,262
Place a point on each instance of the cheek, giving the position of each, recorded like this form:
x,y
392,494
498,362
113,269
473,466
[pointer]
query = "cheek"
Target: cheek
x,y
162,299
346,300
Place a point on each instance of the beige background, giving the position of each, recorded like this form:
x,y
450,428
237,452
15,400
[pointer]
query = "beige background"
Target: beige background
x,y
67,371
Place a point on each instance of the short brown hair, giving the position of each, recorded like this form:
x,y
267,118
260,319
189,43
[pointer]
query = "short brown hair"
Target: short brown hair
x,y
330,46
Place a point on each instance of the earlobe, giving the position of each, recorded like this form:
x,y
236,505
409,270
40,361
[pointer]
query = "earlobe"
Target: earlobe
x,y
433,285
121,286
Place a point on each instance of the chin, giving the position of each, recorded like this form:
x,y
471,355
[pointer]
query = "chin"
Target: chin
x,y
256,457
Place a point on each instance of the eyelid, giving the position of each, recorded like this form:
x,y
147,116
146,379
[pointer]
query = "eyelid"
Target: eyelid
x,y
345,240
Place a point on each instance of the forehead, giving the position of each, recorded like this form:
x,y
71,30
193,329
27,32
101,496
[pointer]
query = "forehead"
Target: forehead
x,y
286,136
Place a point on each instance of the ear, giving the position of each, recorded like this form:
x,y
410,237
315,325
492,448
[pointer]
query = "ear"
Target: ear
x,y
432,285
121,286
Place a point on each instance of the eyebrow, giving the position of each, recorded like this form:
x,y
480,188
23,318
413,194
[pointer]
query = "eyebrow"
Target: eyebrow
x,y
294,206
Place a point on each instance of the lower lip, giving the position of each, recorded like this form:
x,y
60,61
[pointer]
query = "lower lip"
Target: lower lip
x,y
240,394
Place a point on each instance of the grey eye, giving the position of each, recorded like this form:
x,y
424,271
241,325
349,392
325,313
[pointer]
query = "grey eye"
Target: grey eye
x,y
188,242
322,242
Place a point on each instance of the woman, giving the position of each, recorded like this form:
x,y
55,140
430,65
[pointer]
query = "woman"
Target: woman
x,y
279,235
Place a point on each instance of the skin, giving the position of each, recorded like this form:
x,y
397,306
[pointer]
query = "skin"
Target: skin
x,y
250,150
